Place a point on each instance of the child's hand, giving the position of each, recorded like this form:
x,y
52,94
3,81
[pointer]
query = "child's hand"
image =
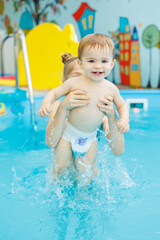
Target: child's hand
x,y
76,98
106,106
45,109
123,126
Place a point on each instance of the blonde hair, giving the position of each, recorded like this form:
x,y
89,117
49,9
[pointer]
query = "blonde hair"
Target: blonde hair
x,y
95,40
69,64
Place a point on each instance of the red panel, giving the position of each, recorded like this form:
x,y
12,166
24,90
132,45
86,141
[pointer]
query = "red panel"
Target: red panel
x,y
78,14
123,63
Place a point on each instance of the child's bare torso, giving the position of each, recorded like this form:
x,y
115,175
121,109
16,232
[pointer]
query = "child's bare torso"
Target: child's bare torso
x,y
88,118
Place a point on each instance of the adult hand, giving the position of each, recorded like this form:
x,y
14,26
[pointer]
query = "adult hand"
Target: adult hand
x,y
106,106
76,98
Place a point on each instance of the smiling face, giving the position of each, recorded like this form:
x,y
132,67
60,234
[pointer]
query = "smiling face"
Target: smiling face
x,y
97,63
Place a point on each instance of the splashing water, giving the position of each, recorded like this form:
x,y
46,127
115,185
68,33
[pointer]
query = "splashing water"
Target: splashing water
x,y
69,204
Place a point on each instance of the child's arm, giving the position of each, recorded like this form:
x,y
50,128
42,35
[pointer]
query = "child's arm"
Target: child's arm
x,y
51,97
123,123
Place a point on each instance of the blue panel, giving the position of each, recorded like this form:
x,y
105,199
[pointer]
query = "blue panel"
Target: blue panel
x,y
134,34
135,67
86,14
123,23
26,21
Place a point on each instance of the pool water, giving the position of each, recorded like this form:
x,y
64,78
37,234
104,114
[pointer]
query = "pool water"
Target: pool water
x,y
121,204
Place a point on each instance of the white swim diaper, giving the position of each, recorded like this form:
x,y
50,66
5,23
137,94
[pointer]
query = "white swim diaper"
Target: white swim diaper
x,y
80,141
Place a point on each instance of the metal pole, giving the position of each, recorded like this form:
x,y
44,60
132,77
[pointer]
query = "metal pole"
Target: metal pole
x,y
16,58
20,35
26,64
28,74
2,44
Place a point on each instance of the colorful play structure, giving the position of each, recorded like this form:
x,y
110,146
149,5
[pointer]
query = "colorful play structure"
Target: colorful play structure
x,y
45,45
47,42
39,63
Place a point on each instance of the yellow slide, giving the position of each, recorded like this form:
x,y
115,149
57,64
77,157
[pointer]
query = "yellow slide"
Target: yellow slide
x,y
45,45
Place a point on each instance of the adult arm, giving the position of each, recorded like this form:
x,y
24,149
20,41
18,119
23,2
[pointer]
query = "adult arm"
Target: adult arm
x,y
76,98
115,137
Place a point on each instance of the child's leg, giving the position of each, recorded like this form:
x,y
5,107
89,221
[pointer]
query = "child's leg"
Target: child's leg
x,y
62,157
87,165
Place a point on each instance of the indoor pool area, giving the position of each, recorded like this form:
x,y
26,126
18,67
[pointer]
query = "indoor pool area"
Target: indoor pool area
x,y
79,120
121,204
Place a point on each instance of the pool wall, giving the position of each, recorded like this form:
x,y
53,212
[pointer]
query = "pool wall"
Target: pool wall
x,y
152,95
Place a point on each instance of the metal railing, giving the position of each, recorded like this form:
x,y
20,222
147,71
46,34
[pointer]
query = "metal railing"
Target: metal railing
x,y
19,36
